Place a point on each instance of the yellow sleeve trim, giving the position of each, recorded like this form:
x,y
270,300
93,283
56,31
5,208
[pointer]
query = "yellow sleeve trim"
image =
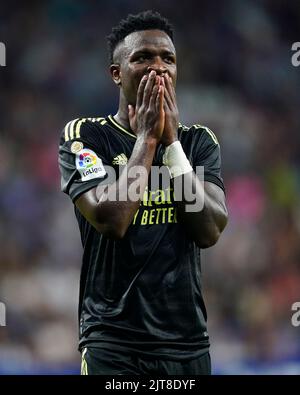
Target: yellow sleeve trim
x,y
210,132
72,128
198,126
67,129
77,130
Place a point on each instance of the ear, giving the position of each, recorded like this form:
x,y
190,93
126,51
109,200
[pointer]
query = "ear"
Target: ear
x,y
115,73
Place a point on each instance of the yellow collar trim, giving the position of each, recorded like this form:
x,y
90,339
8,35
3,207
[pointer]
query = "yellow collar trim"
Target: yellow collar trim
x,y
111,118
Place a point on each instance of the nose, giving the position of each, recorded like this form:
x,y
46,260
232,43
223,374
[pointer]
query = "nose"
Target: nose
x,y
158,66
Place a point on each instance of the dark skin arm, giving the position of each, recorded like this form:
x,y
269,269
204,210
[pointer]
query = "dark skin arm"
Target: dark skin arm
x,y
108,214
205,225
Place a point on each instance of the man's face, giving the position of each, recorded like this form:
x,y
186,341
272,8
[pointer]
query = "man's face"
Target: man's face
x,y
138,54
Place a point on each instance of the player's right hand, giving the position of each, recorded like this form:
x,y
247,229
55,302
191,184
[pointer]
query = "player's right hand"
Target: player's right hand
x,y
147,119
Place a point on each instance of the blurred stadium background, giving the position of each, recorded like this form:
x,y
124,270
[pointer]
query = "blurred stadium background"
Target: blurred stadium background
x,y
236,76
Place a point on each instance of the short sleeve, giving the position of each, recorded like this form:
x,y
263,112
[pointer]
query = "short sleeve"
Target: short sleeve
x,y
207,153
82,157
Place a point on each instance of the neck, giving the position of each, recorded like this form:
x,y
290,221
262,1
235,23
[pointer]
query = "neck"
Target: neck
x,y
122,115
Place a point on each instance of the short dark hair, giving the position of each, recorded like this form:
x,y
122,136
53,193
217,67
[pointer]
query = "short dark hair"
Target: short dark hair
x,y
146,20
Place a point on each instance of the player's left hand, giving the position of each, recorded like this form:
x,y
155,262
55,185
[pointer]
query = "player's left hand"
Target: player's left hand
x,y
171,112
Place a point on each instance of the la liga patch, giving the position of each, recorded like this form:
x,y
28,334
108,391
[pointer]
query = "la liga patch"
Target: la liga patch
x,y
89,165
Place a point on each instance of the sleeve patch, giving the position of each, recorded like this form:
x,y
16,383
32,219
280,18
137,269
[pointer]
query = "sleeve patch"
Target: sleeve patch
x,y
89,165
76,147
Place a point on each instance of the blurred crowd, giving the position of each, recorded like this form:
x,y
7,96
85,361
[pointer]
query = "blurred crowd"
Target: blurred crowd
x,y
234,75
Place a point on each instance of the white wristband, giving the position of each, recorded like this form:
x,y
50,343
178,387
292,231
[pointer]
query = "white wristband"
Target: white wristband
x,y
176,161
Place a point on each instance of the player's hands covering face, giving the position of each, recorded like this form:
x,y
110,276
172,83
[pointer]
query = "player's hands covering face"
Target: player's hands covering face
x,y
148,116
171,112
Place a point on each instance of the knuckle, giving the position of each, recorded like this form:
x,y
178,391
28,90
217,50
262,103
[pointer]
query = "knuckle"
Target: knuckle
x,y
142,109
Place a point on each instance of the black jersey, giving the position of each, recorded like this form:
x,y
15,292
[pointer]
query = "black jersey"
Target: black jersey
x,y
142,292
